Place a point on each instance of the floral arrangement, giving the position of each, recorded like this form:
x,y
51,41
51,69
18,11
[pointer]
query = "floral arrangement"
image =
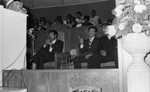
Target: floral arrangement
x,y
17,6
132,16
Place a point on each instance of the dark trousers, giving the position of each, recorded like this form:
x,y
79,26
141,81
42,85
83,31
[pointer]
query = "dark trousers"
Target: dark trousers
x,y
42,57
93,62
110,56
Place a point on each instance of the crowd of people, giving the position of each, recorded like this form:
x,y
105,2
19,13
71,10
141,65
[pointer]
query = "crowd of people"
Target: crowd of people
x,y
70,21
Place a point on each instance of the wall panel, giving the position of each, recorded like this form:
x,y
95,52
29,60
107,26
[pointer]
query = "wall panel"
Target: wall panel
x,y
81,1
63,80
41,3
50,3
28,3
70,1
56,2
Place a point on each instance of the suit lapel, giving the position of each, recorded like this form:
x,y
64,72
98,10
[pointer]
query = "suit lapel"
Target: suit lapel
x,y
93,41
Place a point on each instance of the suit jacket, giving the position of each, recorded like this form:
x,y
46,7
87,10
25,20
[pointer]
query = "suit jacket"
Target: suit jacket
x,y
57,47
93,48
110,46
45,54
94,60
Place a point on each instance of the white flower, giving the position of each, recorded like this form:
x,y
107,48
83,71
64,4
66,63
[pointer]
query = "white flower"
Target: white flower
x,y
111,30
137,2
122,2
31,30
118,10
121,26
137,28
139,8
119,13
147,2
149,24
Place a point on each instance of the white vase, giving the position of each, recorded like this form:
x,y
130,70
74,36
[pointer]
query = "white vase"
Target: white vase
x,y
138,73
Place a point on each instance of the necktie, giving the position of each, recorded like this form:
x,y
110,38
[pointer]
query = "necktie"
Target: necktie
x,y
90,43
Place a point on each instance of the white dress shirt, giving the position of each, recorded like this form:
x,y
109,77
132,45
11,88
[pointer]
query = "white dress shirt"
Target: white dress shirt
x,y
91,40
53,42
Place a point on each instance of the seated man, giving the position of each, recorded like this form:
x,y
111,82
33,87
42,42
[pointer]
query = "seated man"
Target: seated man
x,y
46,53
89,49
108,47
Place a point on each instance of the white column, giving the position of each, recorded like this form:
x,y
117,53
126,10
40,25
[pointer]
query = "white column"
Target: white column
x,y
1,41
138,75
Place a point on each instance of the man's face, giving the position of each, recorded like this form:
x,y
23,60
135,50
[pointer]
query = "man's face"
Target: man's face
x,y
52,36
78,15
91,32
42,23
93,13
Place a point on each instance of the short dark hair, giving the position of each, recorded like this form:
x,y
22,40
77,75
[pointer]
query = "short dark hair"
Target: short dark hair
x,y
43,19
79,13
87,17
93,10
95,28
54,31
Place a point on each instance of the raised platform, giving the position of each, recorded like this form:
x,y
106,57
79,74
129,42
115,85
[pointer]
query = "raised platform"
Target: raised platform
x,y
4,89
102,80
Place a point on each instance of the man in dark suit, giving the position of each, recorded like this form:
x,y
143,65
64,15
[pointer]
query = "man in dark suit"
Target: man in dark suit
x,y
89,50
46,53
108,47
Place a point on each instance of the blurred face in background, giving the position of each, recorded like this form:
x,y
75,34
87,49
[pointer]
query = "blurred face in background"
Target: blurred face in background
x,y
78,14
69,16
93,13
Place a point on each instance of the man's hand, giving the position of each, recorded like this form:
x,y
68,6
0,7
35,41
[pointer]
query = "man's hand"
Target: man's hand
x,y
103,52
81,40
88,55
47,42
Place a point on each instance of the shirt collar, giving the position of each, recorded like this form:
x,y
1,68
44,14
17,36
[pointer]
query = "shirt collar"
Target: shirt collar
x,y
109,37
53,42
91,40
10,1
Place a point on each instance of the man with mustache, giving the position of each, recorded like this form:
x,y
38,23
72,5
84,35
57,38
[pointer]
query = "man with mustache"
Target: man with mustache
x,y
47,52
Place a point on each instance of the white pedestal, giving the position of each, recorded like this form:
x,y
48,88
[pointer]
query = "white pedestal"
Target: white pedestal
x,y
138,76
138,72
12,40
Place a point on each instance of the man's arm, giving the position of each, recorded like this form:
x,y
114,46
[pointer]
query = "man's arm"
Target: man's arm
x,y
58,47
102,44
83,48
